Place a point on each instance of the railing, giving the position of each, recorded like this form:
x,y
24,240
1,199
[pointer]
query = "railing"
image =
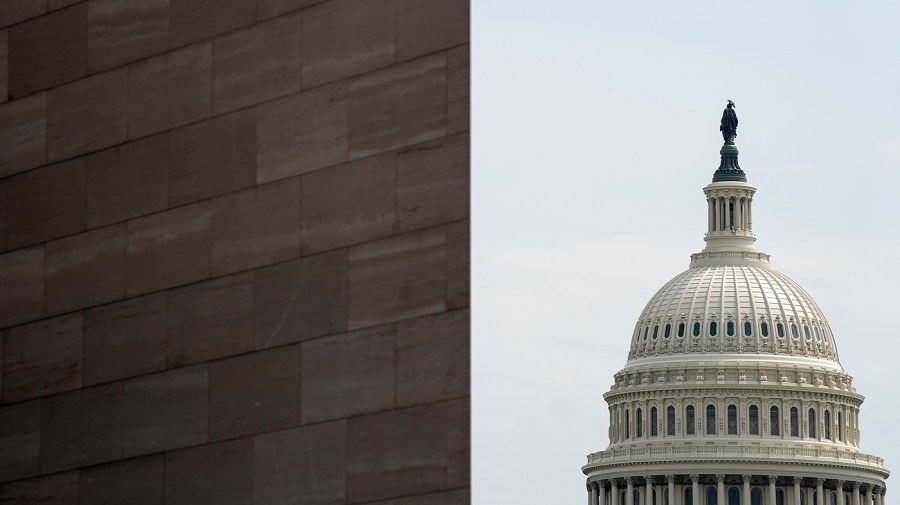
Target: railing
x,y
701,452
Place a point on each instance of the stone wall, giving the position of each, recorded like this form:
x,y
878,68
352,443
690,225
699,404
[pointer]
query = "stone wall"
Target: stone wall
x,y
234,251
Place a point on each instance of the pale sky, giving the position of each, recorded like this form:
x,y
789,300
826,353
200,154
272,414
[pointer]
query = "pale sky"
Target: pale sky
x,y
595,126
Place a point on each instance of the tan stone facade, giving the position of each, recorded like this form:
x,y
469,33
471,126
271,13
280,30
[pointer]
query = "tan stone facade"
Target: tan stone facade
x,y
234,251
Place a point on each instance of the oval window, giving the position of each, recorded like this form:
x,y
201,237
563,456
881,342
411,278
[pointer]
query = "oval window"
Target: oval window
x,y
764,328
713,329
680,329
818,336
655,331
794,331
697,329
729,328
668,331
806,332
748,329
780,329
646,329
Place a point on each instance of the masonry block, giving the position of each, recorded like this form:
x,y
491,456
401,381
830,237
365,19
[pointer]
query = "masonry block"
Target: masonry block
x,y
346,375
166,411
85,269
59,4
4,65
15,11
301,299
127,181
42,358
82,428
458,270
304,465
397,278
257,64
458,442
168,249
455,497
398,106
121,32
213,157
266,9
433,358
56,489
20,440
427,26
215,474
257,226
193,20
125,339
396,453
458,84
45,203
210,320
48,51
24,270
349,204
302,132
433,183
134,482
343,38
23,144
87,115
170,90
254,393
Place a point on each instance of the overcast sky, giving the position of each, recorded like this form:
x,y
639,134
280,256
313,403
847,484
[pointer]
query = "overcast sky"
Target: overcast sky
x,y
595,126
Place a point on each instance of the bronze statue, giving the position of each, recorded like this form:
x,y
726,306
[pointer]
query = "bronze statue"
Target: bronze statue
x,y
729,123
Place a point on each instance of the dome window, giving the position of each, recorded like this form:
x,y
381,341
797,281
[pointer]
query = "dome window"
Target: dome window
x,y
668,331
818,335
774,421
710,419
806,332
734,496
697,329
654,420
729,328
639,419
689,420
680,329
732,420
812,423
670,421
794,333
827,423
646,329
713,329
779,328
655,331
754,420
764,328
795,421
748,329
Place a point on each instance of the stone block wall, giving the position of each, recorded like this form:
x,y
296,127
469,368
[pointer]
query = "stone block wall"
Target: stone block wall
x,y
234,252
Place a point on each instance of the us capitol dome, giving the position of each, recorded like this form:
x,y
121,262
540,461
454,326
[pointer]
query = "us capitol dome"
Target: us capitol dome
x,y
733,392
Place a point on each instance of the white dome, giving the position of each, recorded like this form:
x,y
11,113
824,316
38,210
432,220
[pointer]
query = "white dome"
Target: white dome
x,y
733,309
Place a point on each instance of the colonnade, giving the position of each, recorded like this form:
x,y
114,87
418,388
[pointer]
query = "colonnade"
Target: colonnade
x,y
780,490
729,212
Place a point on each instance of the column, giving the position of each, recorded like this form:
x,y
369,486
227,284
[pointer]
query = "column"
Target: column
x,y
720,490
820,492
869,495
745,499
711,215
797,491
601,492
718,214
772,480
839,488
629,491
695,490
855,496
591,492
671,480
614,491
648,490
739,214
594,486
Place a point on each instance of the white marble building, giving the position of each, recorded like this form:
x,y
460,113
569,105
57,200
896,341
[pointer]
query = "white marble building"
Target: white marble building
x,y
733,392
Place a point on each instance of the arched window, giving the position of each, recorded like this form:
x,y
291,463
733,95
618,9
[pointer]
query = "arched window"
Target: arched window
x,y
680,329
627,425
637,497
711,496
689,496
748,329
812,423
773,421
697,329
754,420
764,328
729,328
840,427
795,421
734,496
710,419
818,335
827,419
779,328
639,418
732,420
779,497
653,422
668,331
806,332
689,420
646,329
670,420
756,496
794,333
655,331
713,329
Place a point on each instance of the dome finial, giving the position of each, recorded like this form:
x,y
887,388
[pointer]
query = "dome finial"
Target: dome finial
x,y
729,169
